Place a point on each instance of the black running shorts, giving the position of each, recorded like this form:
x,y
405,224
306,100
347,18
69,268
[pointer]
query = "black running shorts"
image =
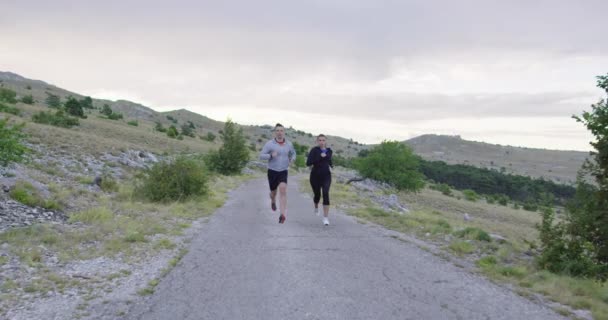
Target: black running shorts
x,y
275,178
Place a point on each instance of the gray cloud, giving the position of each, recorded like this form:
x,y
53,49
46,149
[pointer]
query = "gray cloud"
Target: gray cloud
x,y
389,61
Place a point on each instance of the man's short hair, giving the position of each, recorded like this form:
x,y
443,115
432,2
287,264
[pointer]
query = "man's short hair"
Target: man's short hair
x,y
321,136
278,125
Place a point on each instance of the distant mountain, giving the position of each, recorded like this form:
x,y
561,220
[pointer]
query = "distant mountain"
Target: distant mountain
x,y
556,165
257,135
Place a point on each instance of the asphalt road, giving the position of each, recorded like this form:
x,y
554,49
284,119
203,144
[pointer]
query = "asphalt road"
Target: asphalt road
x,y
244,265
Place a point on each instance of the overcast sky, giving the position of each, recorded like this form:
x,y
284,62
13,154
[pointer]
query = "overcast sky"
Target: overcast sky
x,y
509,72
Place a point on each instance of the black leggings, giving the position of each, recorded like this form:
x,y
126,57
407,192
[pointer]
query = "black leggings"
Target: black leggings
x,y
321,183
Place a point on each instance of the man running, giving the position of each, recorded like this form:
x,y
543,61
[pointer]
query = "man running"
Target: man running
x,y
319,158
280,153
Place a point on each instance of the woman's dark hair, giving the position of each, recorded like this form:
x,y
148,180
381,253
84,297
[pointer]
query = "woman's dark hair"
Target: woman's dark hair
x,y
278,125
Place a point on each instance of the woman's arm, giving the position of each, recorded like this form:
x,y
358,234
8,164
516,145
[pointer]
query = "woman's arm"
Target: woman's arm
x,y
313,157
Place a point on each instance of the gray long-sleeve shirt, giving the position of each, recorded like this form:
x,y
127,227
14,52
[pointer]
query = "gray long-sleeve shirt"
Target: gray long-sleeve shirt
x,y
285,154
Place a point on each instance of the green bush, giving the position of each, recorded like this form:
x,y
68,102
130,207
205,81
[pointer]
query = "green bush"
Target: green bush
x,y
176,180
28,99
486,262
24,192
172,132
530,206
87,103
73,107
8,95
394,163
301,154
472,233
115,116
53,101
188,129
106,110
58,119
8,109
209,137
11,145
444,189
470,195
108,183
134,123
233,155
159,127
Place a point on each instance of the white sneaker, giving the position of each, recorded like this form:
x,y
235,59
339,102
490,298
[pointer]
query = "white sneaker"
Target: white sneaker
x,y
316,210
326,221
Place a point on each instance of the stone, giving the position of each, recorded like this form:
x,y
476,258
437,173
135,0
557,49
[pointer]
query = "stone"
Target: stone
x,y
498,238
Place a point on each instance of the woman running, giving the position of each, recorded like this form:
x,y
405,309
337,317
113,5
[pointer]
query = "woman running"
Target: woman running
x,y
319,158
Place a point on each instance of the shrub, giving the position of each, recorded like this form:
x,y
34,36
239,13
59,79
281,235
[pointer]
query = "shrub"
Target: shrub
x,y
106,110
53,101
27,194
73,107
59,119
461,247
27,99
472,233
233,155
11,146
394,163
159,127
115,116
172,132
503,200
486,262
108,183
209,137
8,95
87,103
175,180
188,129
134,123
301,155
9,109
470,195
444,189
529,206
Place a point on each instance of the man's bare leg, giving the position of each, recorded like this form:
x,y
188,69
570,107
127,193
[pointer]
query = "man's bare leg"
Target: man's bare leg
x,y
282,197
273,199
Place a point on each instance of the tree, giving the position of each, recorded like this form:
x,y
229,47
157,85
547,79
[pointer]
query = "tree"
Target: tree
x,y
187,130
578,244
394,163
87,103
27,99
11,148
233,155
106,110
53,101
73,107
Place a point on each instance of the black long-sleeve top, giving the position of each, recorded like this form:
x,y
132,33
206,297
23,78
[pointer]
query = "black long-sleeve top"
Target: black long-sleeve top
x,y
320,165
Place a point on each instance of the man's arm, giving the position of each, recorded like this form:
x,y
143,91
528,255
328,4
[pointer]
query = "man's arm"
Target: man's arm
x,y
292,150
329,154
265,153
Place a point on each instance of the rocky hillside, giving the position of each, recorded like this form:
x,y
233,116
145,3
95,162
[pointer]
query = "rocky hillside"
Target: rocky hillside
x,y
257,135
559,166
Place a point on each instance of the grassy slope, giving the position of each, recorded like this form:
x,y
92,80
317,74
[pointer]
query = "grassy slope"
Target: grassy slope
x,y
437,219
